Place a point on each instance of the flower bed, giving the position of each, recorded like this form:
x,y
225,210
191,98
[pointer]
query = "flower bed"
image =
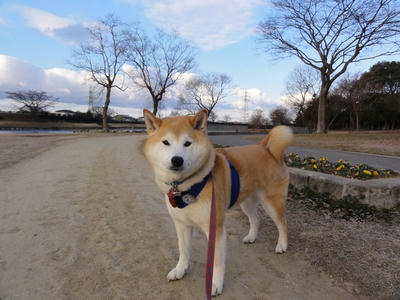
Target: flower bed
x,y
340,168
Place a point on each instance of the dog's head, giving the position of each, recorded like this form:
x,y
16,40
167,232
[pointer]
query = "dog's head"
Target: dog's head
x,y
177,147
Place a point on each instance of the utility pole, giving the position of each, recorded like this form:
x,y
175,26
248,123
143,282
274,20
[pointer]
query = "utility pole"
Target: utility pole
x,y
245,113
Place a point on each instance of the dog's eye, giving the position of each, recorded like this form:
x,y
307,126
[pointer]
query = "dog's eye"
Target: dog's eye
x,y
187,144
166,143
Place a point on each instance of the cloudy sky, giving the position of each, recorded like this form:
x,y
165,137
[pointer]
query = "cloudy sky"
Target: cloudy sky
x,y
37,38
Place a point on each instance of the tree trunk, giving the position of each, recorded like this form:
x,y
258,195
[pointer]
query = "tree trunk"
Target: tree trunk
x,y
155,106
321,126
357,121
105,109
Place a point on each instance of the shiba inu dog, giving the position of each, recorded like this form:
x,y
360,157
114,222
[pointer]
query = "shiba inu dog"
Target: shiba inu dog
x,y
182,158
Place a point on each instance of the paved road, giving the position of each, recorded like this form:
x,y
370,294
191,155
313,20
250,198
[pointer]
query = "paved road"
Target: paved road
x,y
377,161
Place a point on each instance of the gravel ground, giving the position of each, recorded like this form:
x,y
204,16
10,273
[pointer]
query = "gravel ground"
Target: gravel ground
x,y
363,253
360,257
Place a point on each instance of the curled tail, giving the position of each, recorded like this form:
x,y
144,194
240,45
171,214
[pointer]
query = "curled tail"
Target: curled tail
x,y
277,141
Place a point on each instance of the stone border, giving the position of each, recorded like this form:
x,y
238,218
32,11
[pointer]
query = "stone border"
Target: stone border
x,y
381,193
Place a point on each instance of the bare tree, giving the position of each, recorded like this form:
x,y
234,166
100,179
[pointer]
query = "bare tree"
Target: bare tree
x,y
301,85
213,116
205,91
157,64
350,88
279,116
328,35
174,113
258,119
226,118
103,56
35,101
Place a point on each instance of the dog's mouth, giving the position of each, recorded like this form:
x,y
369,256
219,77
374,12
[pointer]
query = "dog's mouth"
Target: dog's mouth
x,y
176,169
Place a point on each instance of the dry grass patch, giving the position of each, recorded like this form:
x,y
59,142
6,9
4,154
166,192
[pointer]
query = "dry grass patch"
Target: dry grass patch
x,y
374,142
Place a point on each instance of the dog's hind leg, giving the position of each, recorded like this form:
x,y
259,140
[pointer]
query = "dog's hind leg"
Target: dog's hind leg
x,y
275,205
249,207
184,233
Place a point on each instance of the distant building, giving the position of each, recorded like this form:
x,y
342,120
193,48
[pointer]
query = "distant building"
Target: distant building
x,y
65,112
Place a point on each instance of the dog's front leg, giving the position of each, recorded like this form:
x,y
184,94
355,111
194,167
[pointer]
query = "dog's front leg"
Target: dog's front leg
x,y
184,233
219,262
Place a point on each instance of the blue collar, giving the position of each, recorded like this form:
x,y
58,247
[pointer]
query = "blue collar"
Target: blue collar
x,y
182,199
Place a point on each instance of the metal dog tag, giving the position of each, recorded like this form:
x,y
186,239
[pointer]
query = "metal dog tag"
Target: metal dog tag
x,y
188,199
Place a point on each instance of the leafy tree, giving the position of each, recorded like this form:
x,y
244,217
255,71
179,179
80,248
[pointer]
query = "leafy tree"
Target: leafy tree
x,y
382,85
36,102
383,77
329,35
280,116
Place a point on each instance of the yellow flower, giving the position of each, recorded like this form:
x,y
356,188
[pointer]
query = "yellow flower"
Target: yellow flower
x,y
376,173
339,161
313,161
297,156
291,153
340,167
367,172
357,173
345,162
314,166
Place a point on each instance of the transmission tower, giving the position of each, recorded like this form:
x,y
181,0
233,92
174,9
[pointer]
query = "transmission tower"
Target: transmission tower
x,y
91,108
245,113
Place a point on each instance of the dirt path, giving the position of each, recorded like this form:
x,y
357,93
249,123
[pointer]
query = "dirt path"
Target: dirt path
x,y
83,220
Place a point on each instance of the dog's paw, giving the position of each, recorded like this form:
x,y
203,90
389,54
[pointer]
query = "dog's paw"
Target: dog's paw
x,y
281,248
217,289
248,239
176,274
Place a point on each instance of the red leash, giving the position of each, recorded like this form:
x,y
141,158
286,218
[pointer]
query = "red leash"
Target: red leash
x,y
211,242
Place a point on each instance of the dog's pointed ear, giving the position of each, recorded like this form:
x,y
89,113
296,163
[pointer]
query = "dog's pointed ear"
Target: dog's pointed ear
x,y
152,123
200,120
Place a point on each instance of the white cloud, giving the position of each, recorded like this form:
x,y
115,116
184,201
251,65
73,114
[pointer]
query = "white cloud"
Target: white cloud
x,y
68,85
256,99
60,28
72,90
209,23
42,20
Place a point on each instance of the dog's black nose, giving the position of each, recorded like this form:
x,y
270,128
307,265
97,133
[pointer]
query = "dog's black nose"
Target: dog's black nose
x,y
177,161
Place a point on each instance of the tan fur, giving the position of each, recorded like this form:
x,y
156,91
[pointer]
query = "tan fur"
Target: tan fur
x,y
263,179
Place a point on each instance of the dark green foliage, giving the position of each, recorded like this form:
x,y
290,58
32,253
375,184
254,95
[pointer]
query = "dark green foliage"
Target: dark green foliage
x,y
348,207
